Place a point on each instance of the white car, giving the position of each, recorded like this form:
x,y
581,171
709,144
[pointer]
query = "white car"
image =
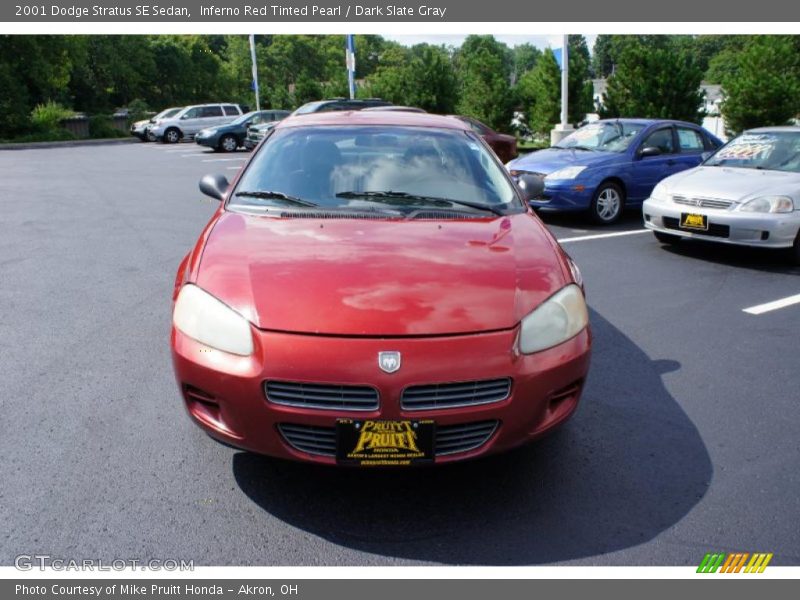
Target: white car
x,y
193,119
141,129
746,193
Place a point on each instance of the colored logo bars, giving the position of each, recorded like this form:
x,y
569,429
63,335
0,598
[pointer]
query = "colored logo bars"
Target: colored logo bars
x,y
735,562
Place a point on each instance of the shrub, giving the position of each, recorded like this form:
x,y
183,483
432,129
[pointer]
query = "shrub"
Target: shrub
x,y
47,117
100,126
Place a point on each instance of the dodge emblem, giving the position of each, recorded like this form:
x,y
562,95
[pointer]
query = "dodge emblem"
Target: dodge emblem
x,y
389,362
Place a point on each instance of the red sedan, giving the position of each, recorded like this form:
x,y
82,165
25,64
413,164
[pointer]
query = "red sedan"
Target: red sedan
x,y
373,290
504,145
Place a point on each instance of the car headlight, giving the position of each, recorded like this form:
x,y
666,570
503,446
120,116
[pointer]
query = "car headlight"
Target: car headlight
x,y
768,204
556,320
202,317
659,193
565,173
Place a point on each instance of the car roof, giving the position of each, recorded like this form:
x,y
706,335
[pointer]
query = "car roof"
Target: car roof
x,y
775,129
645,122
378,117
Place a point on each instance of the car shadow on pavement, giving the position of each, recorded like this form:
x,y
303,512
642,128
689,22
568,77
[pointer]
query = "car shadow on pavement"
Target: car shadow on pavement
x,y
744,257
629,465
629,220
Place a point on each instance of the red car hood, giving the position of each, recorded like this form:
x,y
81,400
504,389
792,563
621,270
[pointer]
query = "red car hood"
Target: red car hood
x,y
380,277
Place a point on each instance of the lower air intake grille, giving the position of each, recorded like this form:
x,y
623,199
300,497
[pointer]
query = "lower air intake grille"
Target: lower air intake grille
x,y
450,439
714,230
451,395
329,397
306,438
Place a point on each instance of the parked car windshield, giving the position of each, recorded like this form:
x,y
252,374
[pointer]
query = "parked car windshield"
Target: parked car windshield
x,y
370,167
308,108
773,150
246,117
605,136
166,114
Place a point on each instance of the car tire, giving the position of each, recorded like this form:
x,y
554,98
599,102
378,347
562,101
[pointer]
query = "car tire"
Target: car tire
x,y
172,136
149,137
608,203
228,143
666,238
795,251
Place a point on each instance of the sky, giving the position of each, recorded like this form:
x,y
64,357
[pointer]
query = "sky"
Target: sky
x,y
540,41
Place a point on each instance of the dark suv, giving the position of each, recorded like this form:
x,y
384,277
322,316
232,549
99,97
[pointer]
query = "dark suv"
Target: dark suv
x,y
333,104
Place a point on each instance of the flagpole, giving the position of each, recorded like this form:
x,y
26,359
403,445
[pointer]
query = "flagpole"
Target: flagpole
x,y
350,61
255,70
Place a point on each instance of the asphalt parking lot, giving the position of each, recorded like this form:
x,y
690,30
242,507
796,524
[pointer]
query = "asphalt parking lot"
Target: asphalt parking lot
x,y
687,440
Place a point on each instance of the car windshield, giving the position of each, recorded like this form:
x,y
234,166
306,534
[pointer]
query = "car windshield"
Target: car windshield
x,y
604,136
772,150
245,117
308,108
166,114
376,168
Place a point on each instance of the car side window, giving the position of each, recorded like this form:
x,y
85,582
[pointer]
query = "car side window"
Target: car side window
x,y
192,113
230,110
691,141
478,128
661,139
211,111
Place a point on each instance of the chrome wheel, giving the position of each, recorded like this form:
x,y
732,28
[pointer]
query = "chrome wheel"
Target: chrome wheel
x,y
608,203
228,143
172,136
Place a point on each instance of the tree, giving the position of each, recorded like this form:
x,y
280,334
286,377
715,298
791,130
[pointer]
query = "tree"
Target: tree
x,y
603,58
539,90
654,79
484,70
765,88
422,76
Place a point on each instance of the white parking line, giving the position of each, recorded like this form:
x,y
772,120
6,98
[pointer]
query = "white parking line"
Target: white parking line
x,y
223,159
599,236
760,309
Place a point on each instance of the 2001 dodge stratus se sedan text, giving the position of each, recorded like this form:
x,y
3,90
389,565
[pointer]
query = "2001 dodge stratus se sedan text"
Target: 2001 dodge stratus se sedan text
x,y
373,290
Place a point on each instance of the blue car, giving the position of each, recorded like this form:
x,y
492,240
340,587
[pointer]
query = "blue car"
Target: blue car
x,y
612,164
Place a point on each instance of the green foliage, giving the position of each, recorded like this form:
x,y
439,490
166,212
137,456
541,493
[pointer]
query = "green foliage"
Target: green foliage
x,y
47,116
654,78
764,88
539,90
484,70
421,76
101,126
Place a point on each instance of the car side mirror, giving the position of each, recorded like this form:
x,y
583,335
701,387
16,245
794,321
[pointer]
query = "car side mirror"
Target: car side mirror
x,y
650,151
214,186
531,186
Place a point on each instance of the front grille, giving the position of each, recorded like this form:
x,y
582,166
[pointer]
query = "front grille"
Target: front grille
x,y
714,229
328,397
702,202
307,438
450,439
451,395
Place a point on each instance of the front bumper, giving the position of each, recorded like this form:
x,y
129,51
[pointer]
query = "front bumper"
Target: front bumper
x,y
251,143
564,196
768,230
211,141
224,394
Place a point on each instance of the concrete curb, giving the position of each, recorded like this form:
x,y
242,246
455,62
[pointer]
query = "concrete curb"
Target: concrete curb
x,y
68,143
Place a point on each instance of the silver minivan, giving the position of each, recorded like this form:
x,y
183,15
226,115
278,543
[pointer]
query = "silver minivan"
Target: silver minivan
x,y
194,118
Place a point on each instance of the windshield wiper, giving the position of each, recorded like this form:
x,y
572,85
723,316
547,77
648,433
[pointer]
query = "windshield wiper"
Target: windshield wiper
x,y
387,197
270,195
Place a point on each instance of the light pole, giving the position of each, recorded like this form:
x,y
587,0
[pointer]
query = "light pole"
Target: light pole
x,y
562,130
